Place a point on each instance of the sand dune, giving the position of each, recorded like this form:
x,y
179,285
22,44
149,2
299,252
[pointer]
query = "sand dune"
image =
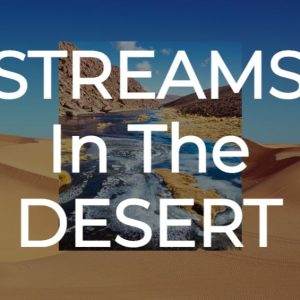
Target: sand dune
x,y
266,160
25,172
253,272
33,156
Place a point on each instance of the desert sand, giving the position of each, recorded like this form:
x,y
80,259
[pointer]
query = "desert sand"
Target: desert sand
x,y
25,172
252,272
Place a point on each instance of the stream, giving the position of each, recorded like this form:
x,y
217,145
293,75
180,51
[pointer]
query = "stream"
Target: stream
x,y
125,179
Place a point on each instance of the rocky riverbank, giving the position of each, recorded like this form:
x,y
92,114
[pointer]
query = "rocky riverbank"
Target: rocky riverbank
x,y
183,185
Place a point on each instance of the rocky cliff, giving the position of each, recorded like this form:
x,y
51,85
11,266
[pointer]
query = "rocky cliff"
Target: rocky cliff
x,y
91,101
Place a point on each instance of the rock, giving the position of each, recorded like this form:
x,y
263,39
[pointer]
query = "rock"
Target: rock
x,y
107,108
91,101
69,113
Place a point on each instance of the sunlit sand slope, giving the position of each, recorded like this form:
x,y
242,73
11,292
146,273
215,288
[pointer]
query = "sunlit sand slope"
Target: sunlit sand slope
x,y
25,172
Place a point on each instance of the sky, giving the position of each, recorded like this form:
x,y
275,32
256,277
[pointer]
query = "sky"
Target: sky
x,y
164,53
268,26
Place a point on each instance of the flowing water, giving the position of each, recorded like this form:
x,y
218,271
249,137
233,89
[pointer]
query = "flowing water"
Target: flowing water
x,y
125,179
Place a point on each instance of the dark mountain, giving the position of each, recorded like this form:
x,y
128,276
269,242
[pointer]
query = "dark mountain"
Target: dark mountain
x,y
229,104
168,99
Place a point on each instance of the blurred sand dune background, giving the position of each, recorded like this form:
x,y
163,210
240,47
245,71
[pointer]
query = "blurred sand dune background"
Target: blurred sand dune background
x,y
274,272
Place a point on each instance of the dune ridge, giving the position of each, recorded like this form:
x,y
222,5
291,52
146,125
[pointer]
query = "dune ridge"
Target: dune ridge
x,y
28,176
266,160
